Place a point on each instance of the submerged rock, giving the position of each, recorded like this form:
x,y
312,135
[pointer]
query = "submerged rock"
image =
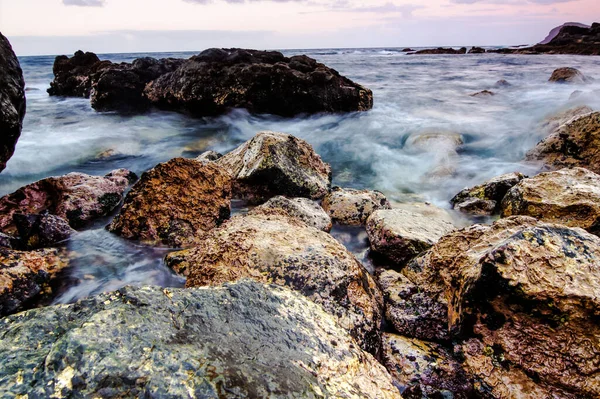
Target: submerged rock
x,y
577,143
567,75
424,369
76,197
27,276
400,235
552,122
273,164
485,198
12,101
567,196
353,207
40,231
441,50
285,251
483,93
301,208
217,80
244,340
175,203
502,83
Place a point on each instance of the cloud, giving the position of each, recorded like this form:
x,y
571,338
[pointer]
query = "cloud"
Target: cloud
x,y
242,1
84,3
511,2
406,9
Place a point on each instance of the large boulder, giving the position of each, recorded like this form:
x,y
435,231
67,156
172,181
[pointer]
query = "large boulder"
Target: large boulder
x,y
353,207
424,369
485,198
75,197
285,251
41,230
244,340
175,203
528,291
400,235
302,208
273,164
577,143
217,80
73,77
27,276
567,196
567,75
12,101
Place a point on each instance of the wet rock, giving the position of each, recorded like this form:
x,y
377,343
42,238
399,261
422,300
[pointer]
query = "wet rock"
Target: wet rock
x,y
8,241
301,208
75,197
424,369
27,276
441,50
567,75
208,156
217,80
12,101
285,251
400,235
443,147
485,198
74,76
353,207
241,340
502,83
477,50
40,231
577,143
483,93
273,164
567,196
552,122
175,203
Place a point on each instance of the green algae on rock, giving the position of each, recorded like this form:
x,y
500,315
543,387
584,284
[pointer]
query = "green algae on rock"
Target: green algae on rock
x,y
244,340
485,199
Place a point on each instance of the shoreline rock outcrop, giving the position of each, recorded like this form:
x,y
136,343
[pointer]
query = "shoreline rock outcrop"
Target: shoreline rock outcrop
x,y
485,199
301,208
353,207
12,101
440,51
568,75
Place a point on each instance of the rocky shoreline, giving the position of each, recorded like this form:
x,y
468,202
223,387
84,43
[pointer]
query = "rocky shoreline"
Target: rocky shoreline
x,y
274,305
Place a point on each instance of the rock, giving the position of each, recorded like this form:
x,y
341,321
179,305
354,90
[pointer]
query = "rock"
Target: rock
x,y
528,290
285,251
76,197
244,340
12,101
407,49
424,369
39,231
353,207
443,147
483,93
273,164
301,208
554,32
567,196
477,50
485,198
576,94
502,83
208,156
441,50
400,235
567,75
27,276
175,203
217,80
576,143
74,76
8,241
554,121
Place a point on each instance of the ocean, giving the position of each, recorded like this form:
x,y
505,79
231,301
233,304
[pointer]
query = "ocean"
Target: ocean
x,y
413,94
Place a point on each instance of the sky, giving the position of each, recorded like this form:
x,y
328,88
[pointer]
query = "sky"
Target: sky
x,y
48,27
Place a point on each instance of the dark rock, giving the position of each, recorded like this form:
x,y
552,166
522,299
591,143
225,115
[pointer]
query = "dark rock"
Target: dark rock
x,y
175,203
12,101
27,276
567,75
476,50
8,241
441,50
502,83
407,49
40,231
76,197
285,251
244,340
260,81
74,76
483,93
485,198
273,164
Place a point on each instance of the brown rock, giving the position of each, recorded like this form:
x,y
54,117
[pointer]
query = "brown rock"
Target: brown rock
x,y
567,196
552,122
285,251
424,369
577,143
485,198
353,207
273,164
567,75
400,235
76,197
40,231
301,208
26,276
175,203
483,93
